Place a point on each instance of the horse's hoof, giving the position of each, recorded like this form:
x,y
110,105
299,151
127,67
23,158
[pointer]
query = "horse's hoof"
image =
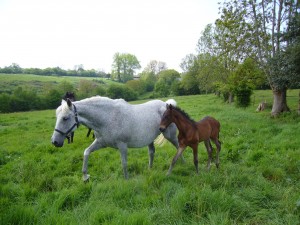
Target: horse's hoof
x,y
86,177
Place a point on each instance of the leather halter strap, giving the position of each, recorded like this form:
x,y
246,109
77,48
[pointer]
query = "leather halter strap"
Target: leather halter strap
x,y
74,125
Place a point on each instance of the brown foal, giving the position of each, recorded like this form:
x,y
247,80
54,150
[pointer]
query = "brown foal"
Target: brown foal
x,y
191,133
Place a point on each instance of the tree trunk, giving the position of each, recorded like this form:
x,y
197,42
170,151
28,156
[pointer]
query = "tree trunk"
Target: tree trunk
x,y
279,102
230,98
299,105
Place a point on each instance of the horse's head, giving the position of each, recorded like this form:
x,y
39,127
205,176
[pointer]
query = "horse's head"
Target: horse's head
x,y
66,122
69,95
166,119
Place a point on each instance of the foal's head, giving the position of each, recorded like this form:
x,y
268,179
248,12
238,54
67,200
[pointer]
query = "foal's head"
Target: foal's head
x,y
167,118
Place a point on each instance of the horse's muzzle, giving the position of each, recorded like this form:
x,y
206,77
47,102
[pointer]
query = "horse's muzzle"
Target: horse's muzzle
x,y
162,129
56,144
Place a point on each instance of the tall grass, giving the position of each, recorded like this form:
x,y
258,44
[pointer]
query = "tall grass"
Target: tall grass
x,y
257,183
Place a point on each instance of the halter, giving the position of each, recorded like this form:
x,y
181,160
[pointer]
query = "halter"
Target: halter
x,y
75,124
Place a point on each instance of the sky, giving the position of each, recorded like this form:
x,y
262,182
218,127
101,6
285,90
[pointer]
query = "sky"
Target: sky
x,y
65,33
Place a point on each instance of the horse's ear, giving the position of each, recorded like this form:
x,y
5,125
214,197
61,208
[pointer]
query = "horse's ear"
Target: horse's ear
x,y
169,106
69,102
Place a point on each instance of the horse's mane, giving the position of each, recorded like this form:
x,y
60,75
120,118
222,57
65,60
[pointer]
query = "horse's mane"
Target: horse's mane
x,y
92,100
181,111
98,98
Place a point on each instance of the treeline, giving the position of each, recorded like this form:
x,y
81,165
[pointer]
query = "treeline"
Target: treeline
x,y
79,71
24,99
49,96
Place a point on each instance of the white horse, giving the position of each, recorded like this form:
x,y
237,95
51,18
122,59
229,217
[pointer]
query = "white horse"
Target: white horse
x,y
116,123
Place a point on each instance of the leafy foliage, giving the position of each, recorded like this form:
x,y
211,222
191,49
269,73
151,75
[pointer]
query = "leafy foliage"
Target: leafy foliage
x,y
165,80
124,66
120,91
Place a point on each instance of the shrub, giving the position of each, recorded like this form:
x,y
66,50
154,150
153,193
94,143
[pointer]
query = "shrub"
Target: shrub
x,y
243,94
119,91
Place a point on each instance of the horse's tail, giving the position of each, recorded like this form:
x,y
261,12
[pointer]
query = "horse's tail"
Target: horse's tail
x,y
171,102
160,140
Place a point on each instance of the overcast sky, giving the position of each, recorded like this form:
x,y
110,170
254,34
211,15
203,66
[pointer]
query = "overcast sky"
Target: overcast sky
x,y
65,33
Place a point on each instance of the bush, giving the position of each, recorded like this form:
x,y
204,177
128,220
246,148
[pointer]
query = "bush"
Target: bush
x,y
243,96
119,91
161,89
5,100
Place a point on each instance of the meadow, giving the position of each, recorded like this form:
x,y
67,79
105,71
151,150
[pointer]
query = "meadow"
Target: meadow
x,y
9,82
257,182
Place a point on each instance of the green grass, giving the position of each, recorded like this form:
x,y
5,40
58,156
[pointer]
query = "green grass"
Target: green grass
x,y
9,82
257,183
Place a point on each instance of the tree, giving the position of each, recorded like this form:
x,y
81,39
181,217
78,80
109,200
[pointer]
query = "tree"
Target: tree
x,y
124,66
209,72
168,76
13,68
244,79
216,59
149,79
155,67
256,30
187,62
165,80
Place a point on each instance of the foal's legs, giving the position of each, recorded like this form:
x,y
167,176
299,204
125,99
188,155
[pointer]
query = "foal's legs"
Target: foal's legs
x,y
170,135
209,152
179,153
218,144
94,146
195,152
151,150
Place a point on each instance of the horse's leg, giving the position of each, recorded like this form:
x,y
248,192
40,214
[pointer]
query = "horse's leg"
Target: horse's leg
x,y
218,144
89,132
72,137
179,153
170,135
195,153
68,137
209,152
123,150
151,150
94,146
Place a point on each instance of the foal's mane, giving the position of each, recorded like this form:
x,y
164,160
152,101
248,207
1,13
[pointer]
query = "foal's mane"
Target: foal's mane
x,y
183,113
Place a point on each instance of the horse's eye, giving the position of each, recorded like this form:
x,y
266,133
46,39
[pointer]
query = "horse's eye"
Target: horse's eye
x,y
65,118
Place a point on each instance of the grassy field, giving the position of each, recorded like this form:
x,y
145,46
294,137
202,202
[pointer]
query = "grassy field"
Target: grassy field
x,y
257,183
10,82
